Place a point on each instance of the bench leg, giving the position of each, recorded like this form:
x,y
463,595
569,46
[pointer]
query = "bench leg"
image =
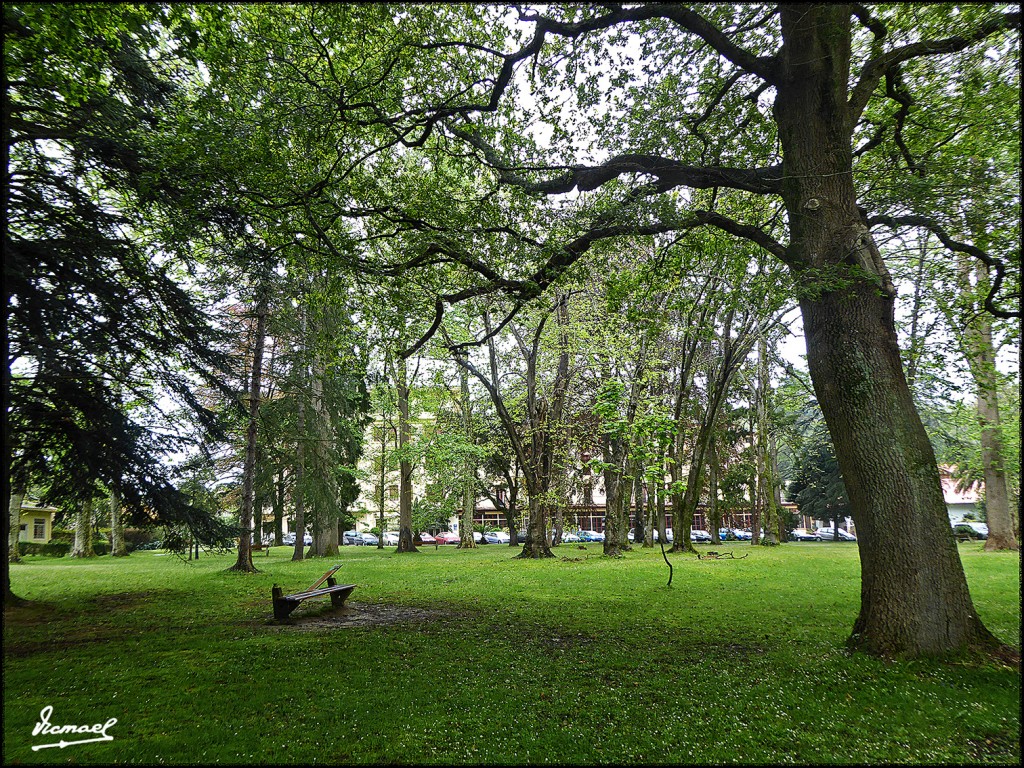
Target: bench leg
x,y
282,608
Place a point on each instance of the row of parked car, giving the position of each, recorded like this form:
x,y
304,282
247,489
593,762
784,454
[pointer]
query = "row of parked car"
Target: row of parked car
x,y
698,536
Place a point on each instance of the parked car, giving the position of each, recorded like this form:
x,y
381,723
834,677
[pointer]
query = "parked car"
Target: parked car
x,y
368,539
726,534
591,536
803,534
742,535
569,537
426,538
698,535
390,539
498,537
289,539
970,530
348,537
668,535
446,537
829,534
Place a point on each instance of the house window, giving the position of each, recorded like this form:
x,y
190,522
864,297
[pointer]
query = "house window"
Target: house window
x,y
39,528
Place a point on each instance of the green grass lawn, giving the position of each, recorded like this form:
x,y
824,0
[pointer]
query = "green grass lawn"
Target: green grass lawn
x,y
579,659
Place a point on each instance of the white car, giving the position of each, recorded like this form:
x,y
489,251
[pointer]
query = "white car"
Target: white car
x,y
390,539
568,537
499,537
981,528
828,534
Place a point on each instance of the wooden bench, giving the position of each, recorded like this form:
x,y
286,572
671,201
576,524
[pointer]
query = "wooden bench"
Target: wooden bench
x,y
285,604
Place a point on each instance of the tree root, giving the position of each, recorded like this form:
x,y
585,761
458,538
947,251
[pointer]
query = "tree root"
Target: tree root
x,y
718,556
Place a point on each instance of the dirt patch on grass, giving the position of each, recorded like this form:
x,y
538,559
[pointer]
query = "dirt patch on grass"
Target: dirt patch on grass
x,y
356,614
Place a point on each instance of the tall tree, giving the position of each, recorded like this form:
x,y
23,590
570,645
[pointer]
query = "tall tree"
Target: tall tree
x,y
781,112
84,192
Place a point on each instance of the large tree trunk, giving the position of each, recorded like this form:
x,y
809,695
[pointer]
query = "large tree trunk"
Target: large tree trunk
x,y
536,545
914,597
617,497
14,516
117,545
83,532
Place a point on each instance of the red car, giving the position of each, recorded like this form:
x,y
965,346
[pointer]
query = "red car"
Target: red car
x,y
426,538
446,537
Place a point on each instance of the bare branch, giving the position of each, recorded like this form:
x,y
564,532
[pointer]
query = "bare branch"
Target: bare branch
x,y
915,220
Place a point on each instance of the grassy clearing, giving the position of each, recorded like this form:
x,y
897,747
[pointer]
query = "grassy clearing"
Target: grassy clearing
x,y
578,660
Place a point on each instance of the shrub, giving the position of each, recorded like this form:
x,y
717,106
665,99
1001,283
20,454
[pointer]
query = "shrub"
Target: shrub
x,y
62,535
51,549
101,548
54,548
136,537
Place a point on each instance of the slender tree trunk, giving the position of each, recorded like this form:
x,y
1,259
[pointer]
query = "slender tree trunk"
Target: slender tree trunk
x,y
663,525
714,514
466,540
639,489
278,502
117,545
777,485
511,517
14,516
244,561
83,532
653,499
405,542
765,478
299,490
914,596
981,356
915,342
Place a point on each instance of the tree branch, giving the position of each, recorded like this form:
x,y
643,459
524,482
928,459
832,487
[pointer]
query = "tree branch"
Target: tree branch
x,y
876,68
670,173
915,220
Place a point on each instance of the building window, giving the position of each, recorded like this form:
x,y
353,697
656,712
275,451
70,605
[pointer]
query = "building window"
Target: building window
x,y
39,528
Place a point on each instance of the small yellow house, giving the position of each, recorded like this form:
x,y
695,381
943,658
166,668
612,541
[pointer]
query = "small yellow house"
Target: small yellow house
x,y
36,522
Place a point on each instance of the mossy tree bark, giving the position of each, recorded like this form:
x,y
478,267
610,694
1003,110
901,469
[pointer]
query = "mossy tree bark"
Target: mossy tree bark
x,y
82,546
14,518
117,545
914,597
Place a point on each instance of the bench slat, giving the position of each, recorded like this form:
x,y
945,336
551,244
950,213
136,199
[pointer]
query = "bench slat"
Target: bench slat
x,y
298,596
